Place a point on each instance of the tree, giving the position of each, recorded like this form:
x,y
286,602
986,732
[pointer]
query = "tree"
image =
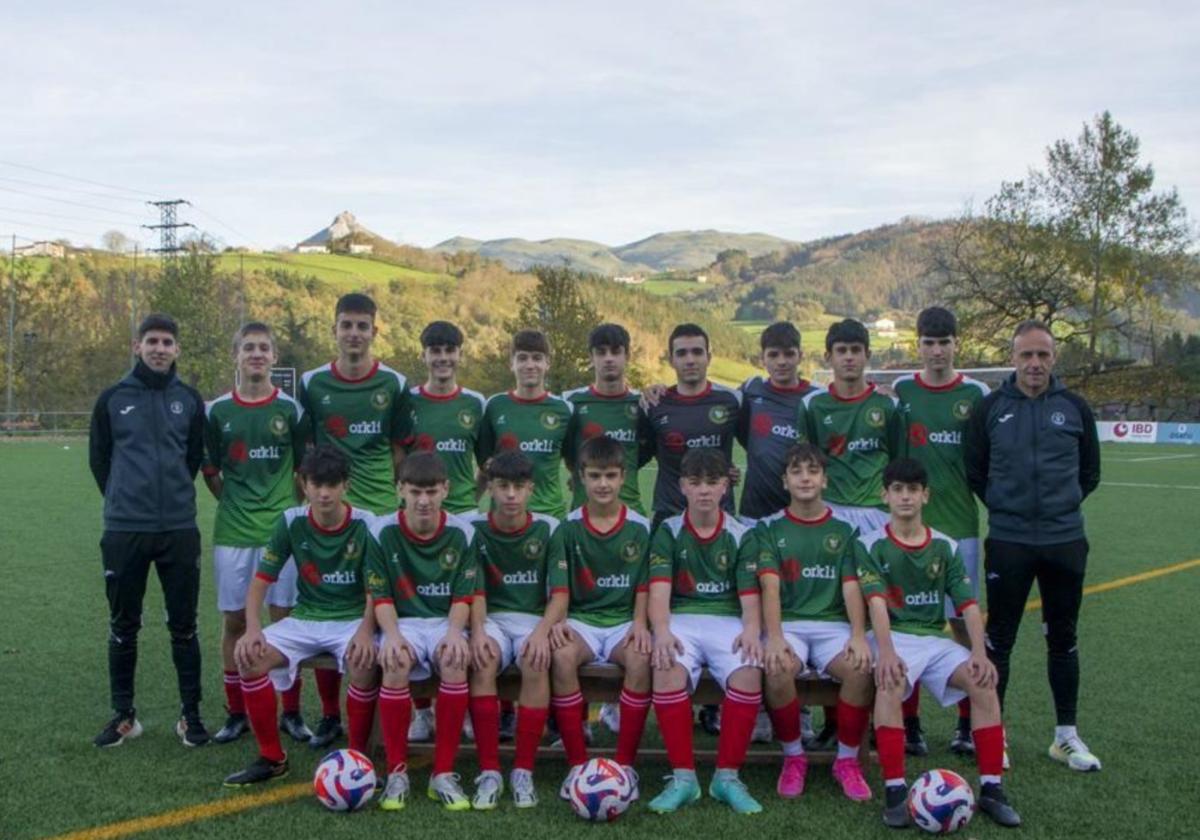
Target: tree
x,y
115,241
205,304
557,307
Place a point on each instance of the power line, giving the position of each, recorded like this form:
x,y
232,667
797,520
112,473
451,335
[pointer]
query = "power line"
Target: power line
x,y
225,225
81,180
35,226
75,190
62,216
67,201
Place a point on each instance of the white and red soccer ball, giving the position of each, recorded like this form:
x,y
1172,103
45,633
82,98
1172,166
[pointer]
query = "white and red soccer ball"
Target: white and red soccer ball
x,y
601,791
941,802
344,781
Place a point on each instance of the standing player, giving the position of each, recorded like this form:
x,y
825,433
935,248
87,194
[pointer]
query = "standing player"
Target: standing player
x,y
769,422
937,404
907,572
813,616
600,564
530,419
423,579
514,551
705,611
255,441
359,405
606,407
328,541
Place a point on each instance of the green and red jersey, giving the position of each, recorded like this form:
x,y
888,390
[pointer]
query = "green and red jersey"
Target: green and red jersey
x,y
602,571
708,575
536,427
255,446
514,565
422,576
913,580
594,414
812,558
860,436
330,563
448,424
362,417
935,419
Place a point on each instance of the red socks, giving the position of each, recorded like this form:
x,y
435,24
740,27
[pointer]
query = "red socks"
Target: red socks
x,y
964,709
989,750
233,693
738,712
485,718
259,696
395,713
786,722
360,712
635,707
674,712
329,687
911,707
852,723
290,699
449,714
531,723
889,741
569,710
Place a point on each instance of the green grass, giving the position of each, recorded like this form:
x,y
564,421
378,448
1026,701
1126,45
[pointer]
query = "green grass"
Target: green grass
x,y
333,268
669,288
1138,675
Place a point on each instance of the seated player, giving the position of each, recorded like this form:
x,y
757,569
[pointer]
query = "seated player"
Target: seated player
x,y
704,609
422,579
327,540
814,617
907,570
600,563
513,550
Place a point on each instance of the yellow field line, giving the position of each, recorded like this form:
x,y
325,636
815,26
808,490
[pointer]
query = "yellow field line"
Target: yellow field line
x,y
1036,603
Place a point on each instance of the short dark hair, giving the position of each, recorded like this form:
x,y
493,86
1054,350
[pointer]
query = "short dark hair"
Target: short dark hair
x,y
1030,325
937,322
905,471
608,335
780,334
423,469
251,327
601,452
441,333
688,330
805,453
530,341
847,331
355,302
704,463
509,465
159,321
325,464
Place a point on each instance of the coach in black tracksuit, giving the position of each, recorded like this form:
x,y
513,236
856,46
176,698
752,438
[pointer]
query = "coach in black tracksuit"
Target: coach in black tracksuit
x,y
1033,455
146,445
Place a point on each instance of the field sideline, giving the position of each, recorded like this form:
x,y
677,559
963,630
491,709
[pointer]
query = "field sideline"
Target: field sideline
x,y
1134,710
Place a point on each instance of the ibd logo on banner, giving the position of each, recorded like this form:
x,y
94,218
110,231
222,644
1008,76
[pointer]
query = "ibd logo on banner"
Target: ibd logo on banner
x,y
1135,432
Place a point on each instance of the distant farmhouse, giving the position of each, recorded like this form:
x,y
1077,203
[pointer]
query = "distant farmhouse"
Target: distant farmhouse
x,y
344,225
884,328
42,249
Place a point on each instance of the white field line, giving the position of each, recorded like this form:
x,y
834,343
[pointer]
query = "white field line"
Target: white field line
x,y
1151,458
1151,486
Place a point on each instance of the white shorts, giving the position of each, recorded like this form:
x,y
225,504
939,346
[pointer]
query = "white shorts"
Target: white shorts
x,y
817,643
931,661
511,629
234,566
865,519
424,635
601,641
297,639
707,641
969,548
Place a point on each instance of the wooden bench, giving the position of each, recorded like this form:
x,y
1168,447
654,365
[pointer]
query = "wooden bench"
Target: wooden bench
x,y
601,683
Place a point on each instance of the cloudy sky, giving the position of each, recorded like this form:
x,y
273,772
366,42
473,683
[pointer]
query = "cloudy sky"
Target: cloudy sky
x,y
607,121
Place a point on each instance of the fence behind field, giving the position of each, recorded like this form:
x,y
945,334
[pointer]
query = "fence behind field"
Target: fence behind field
x,y
44,423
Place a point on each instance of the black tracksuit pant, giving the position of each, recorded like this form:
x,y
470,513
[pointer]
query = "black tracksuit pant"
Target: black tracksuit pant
x,y
127,558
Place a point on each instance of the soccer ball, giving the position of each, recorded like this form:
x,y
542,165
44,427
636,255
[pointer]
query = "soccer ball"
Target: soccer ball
x,y
601,791
941,802
345,780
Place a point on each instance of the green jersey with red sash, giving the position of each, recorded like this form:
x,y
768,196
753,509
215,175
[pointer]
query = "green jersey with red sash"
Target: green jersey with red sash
x,y
708,575
812,558
860,435
448,424
537,428
514,565
601,570
594,414
422,576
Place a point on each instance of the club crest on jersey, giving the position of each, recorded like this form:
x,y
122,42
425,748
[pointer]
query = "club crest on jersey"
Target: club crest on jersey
x,y
962,409
177,408
631,411
718,414
374,580
466,419
875,417
380,399
325,400
934,569
449,559
832,543
279,425
1057,418
550,420
532,549
722,560
353,549
631,552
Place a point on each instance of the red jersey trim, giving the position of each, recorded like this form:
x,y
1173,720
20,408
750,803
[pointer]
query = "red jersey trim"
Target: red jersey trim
x,y
870,390
462,599
342,377
491,520
379,601
587,523
953,383
655,580
402,521
765,572
556,589
265,576
345,523
592,390
962,608
675,396
642,588
799,520
895,540
254,403
439,397
512,395
687,523
210,470
791,389
849,578
745,592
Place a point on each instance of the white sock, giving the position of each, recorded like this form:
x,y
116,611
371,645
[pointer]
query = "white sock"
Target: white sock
x,y
894,782
989,780
1062,733
792,747
846,752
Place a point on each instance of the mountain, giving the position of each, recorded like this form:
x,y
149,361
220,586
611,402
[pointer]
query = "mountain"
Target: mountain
x,y
344,224
687,250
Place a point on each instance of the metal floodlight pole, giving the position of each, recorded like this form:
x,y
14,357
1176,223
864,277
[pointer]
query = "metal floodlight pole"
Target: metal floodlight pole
x,y
12,325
